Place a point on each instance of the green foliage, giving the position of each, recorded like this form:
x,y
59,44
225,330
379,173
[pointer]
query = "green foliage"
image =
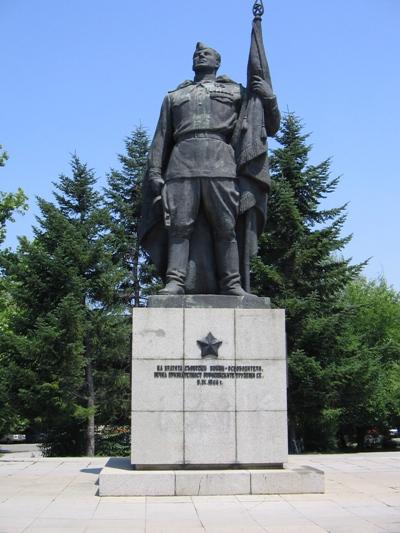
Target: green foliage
x,y
3,156
7,307
66,440
300,267
9,204
123,199
68,332
65,299
298,261
377,308
343,333
10,419
372,337
114,441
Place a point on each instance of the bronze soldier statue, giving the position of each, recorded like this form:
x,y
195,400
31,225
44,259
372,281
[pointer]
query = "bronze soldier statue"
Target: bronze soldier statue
x,y
208,180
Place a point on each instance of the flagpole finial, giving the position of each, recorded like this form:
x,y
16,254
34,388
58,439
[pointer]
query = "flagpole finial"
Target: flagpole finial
x,y
258,9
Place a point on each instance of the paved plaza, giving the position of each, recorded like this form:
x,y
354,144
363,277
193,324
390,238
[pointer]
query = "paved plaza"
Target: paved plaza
x,y
40,495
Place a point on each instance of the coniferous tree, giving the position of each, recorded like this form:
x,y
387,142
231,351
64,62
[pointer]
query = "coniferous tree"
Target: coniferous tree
x,y
301,268
68,345
123,198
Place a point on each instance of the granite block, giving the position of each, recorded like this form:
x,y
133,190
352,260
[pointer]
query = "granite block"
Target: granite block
x,y
212,482
262,437
264,393
117,480
152,387
157,438
122,482
210,438
200,322
216,301
260,334
210,393
295,480
157,333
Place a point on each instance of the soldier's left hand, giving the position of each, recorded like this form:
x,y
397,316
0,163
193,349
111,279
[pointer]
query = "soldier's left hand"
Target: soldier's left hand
x,y
261,87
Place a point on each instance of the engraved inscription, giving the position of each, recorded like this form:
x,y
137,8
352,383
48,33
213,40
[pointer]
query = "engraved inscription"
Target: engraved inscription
x,y
209,374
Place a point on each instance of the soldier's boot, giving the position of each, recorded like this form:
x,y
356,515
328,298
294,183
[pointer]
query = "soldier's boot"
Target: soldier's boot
x,y
178,257
227,258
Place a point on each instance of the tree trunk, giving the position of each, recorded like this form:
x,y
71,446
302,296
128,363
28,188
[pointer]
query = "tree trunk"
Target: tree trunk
x,y
90,431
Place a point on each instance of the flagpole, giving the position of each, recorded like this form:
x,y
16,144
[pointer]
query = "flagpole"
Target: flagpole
x,y
258,9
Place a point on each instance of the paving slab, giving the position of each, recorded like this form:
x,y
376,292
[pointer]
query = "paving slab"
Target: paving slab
x,y
61,495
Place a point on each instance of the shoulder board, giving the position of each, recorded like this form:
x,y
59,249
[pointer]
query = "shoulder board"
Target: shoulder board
x,y
182,85
225,79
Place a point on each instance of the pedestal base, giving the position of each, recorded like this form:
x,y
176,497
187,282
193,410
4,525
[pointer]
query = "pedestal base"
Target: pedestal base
x,y
208,386
209,301
118,479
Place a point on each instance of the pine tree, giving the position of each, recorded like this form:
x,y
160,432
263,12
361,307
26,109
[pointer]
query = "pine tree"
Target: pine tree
x,y
69,327
301,268
123,194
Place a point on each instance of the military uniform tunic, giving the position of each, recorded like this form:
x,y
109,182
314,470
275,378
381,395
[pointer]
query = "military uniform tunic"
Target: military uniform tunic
x,y
194,131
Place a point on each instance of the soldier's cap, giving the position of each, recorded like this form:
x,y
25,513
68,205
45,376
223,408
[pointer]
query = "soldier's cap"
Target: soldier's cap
x,y
202,46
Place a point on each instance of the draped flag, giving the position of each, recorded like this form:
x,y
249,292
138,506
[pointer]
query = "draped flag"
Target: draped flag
x,y
250,143
250,136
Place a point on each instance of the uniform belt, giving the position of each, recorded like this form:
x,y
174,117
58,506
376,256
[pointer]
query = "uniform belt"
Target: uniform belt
x,y
200,134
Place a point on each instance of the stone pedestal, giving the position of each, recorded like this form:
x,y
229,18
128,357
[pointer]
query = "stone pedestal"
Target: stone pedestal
x,y
195,410
118,479
208,401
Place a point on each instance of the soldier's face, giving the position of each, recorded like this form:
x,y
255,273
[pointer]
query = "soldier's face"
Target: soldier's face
x,y
205,59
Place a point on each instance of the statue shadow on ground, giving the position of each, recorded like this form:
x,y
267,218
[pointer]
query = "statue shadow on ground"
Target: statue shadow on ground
x,y
95,471
120,463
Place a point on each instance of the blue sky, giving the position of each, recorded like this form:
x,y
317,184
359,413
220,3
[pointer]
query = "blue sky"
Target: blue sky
x,y
79,75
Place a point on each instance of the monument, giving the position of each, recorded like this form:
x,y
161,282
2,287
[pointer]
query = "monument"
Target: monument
x,y
209,411
205,196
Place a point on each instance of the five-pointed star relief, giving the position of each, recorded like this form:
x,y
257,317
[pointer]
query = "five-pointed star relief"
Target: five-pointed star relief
x,y
209,346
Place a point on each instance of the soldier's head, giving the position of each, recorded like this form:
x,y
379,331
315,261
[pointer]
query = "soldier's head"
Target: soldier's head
x,y
206,59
